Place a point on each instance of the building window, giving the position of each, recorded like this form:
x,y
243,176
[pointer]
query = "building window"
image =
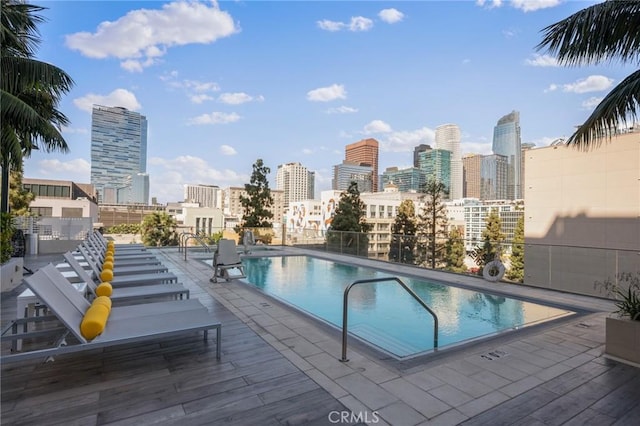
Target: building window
x,y
42,211
71,212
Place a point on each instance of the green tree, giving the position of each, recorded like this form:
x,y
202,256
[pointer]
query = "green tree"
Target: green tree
x,y
19,198
455,251
159,229
257,203
492,239
432,223
30,91
403,234
604,32
348,231
516,270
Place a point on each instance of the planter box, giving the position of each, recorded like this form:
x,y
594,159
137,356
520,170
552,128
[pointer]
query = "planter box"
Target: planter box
x,y
623,339
11,273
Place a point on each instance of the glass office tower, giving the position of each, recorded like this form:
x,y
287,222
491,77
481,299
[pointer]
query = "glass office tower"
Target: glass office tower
x,y
118,151
506,141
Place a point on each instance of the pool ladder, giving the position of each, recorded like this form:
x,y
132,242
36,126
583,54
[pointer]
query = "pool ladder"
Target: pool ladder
x,y
345,306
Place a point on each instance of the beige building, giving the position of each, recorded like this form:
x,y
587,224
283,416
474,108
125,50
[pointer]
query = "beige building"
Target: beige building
x,y
582,220
233,209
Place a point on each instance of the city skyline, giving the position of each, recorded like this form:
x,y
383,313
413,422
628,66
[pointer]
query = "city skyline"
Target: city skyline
x,y
221,87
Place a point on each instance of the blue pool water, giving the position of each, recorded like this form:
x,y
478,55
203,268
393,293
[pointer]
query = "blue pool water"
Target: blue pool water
x,y
384,314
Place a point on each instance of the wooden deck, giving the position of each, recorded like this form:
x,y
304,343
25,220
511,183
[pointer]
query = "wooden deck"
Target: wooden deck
x,y
172,381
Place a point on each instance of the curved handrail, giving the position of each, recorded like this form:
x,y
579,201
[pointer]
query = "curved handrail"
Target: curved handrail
x,y
345,305
184,239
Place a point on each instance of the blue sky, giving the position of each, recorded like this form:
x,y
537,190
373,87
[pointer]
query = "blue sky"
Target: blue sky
x,y
223,84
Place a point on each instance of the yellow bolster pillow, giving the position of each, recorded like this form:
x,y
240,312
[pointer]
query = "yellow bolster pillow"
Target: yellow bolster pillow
x,y
109,257
94,321
106,275
107,265
104,289
102,300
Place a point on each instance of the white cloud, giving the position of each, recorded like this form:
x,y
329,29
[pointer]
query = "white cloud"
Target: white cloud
x,y
342,110
196,91
552,87
200,98
360,23
508,33
72,169
326,94
117,98
542,61
332,26
357,23
238,98
142,36
168,176
307,151
532,5
75,130
215,118
482,148
593,83
591,103
391,16
490,4
227,150
406,140
377,126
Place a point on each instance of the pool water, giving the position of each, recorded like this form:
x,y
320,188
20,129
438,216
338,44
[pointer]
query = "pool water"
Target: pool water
x,y
384,314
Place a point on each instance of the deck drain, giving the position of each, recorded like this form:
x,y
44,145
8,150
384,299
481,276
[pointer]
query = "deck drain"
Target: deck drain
x,y
494,355
583,325
265,304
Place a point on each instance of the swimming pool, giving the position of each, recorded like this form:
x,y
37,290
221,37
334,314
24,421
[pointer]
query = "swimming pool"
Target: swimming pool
x,y
384,314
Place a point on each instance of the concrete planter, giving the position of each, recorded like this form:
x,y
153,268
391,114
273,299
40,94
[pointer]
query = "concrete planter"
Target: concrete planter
x,y
623,339
11,273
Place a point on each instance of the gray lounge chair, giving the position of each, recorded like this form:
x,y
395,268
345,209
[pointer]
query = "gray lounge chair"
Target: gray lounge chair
x,y
98,237
124,269
128,280
126,324
226,262
147,258
130,293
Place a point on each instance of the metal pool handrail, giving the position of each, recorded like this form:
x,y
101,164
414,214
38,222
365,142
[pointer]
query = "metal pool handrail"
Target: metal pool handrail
x,y
184,239
345,306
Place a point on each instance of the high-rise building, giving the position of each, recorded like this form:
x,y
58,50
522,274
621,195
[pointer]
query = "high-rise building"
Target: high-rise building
x,y
416,153
507,142
471,175
364,153
205,195
296,181
436,164
448,138
493,177
118,150
347,172
405,180
135,190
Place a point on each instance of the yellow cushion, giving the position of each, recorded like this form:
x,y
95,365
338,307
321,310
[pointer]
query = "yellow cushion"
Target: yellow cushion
x,y
107,265
102,300
94,321
108,257
111,243
110,250
104,289
106,275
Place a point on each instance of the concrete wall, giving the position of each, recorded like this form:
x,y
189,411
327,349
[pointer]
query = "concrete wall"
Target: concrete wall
x,y
57,246
582,214
11,273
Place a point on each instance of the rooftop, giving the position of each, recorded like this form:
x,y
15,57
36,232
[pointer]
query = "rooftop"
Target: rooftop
x,y
279,366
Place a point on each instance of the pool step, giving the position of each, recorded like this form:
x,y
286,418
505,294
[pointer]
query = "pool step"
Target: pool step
x,y
384,340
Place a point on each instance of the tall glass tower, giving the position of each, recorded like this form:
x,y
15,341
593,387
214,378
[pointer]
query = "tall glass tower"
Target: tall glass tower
x,y
506,141
448,138
118,151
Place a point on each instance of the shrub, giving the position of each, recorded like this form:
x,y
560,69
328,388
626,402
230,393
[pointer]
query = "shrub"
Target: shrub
x,y
6,233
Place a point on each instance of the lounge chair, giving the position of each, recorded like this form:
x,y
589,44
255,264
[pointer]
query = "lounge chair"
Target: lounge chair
x,y
143,258
128,280
121,293
98,237
125,324
122,269
226,262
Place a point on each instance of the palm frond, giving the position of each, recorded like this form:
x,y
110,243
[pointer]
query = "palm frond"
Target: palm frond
x,y
20,73
603,32
620,106
19,35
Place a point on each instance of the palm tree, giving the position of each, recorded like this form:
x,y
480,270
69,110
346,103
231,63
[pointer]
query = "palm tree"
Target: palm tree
x,y
603,32
30,91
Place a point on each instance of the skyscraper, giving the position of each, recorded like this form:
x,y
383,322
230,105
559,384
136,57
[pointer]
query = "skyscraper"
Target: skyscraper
x,y
471,175
493,177
436,164
205,195
448,138
347,172
364,153
506,141
416,153
296,181
118,151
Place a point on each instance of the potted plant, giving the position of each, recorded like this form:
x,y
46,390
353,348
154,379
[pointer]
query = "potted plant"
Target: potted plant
x,y
622,336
